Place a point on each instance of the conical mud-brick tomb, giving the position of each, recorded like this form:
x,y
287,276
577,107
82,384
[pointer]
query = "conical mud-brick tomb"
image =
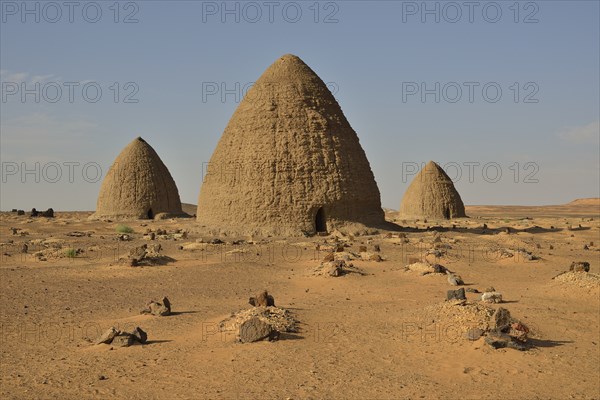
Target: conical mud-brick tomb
x,y
138,185
288,162
432,195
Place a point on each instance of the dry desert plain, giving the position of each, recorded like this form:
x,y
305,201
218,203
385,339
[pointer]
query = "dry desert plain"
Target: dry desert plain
x,y
385,333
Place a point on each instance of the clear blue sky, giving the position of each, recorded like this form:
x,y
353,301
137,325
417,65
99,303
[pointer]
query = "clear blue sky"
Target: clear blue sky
x,y
374,57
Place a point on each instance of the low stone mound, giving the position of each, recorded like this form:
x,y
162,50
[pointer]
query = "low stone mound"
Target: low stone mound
x,y
461,317
460,320
336,268
425,268
145,255
118,338
160,309
582,279
262,299
278,319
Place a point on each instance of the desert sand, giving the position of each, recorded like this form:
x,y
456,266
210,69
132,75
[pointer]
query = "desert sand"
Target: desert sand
x,y
385,333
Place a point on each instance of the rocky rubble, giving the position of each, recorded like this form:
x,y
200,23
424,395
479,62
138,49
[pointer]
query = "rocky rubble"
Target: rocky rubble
x,y
259,323
474,320
337,268
145,255
159,309
119,338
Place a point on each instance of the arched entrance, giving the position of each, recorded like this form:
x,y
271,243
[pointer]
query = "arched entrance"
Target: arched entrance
x,y
150,214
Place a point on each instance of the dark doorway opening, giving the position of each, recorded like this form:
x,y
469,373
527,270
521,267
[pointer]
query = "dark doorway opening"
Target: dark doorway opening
x,y
447,213
150,214
320,222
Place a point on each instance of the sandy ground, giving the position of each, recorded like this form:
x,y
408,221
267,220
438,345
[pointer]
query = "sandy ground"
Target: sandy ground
x,y
361,337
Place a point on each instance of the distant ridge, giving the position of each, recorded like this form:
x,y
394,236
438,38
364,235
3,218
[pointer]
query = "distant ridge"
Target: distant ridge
x,y
592,201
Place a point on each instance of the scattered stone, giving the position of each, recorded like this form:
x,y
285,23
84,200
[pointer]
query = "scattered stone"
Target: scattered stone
x,y
180,235
472,290
501,319
24,248
21,212
458,294
439,269
580,266
519,331
254,330
454,280
138,253
376,248
551,247
499,340
34,213
337,268
49,213
474,334
14,210
146,254
527,254
491,297
166,303
119,338
139,335
102,378
107,336
420,267
77,234
329,257
370,257
490,289
505,253
362,249
437,253
150,236
262,299
122,339
156,308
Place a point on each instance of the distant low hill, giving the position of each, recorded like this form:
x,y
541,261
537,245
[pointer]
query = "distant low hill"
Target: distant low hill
x,y
189,209
590,201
